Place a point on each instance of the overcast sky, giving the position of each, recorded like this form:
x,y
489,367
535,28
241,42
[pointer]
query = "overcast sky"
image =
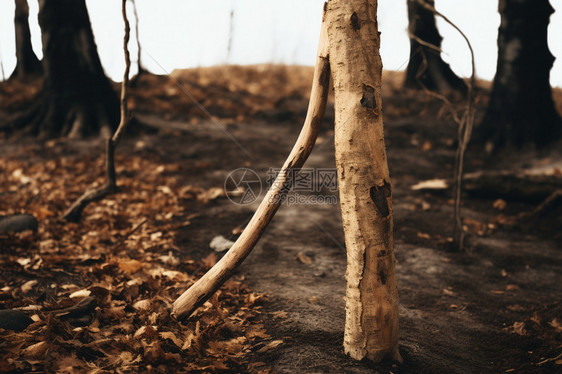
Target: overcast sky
x,y
189,33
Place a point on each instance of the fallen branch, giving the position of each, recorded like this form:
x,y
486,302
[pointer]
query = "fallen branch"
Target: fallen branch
x,y
82,308
554,201
553,359
74,213
519,186
198,293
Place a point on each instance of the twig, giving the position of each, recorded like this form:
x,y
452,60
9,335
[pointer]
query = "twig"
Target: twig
x,y
464,133
550,360
139,64
230,32
85,306
74,213
2,69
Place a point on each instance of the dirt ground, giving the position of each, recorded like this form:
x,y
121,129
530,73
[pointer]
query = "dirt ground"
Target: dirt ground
x,y
495,308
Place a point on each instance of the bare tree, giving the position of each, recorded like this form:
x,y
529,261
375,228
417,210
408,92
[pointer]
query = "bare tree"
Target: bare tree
x,y
349,45
27,62
521,110
426,69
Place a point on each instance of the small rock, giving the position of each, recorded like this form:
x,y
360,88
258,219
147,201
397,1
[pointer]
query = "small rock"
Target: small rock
x,y
220,243
15,320
18,223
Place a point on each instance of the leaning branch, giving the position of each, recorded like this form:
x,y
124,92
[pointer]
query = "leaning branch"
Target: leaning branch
x,y
198,293
74,213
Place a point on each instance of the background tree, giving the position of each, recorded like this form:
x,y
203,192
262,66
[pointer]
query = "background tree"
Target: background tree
x,y
521,109
27,62
426,68
77,98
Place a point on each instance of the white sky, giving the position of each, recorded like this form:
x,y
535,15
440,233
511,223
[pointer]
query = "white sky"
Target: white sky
x,y
189,33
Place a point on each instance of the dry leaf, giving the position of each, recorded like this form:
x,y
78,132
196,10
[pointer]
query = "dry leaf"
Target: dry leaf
x,y
556,324
432,184
220,243
36,350
499,204
28,286
271,345
145,332
130,266
170,335
303,258
142,305
519,328
423,235
80,293
448,292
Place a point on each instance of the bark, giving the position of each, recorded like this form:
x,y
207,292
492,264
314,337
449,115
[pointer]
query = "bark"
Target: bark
x,y
198,293
77,98
28,64
426,69
521,109
371,327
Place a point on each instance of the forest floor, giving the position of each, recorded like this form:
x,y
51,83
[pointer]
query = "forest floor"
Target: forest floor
x,y
494,308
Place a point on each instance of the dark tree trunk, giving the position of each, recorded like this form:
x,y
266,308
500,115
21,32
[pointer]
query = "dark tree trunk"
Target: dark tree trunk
x,y
521,110
77,99
27,62
426,68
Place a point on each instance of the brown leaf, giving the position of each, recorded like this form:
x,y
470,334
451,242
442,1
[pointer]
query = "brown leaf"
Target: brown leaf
x,y
271,345
519,328
35,350
423,235
556,324
303,258
170,335
499,204
130,266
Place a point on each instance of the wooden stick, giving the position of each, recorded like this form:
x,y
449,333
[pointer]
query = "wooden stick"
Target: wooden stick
x,y
198,293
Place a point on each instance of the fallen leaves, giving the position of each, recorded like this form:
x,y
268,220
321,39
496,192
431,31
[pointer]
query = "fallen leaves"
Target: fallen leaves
x,y
99,292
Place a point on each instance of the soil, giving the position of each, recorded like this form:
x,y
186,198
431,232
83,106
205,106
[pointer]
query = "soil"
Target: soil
x,y
495,307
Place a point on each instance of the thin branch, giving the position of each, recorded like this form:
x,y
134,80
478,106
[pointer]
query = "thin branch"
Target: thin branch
x,y
74,213
464,132
139,64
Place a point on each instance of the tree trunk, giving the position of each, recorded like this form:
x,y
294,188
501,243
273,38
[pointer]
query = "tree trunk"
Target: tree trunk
x,y
27,62
426,68
521,109
371,327
77,99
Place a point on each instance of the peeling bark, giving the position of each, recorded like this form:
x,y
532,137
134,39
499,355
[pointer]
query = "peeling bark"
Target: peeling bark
x,y
371,328
521,110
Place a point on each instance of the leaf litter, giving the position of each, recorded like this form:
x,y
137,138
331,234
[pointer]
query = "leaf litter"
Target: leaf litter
x,y
99,292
